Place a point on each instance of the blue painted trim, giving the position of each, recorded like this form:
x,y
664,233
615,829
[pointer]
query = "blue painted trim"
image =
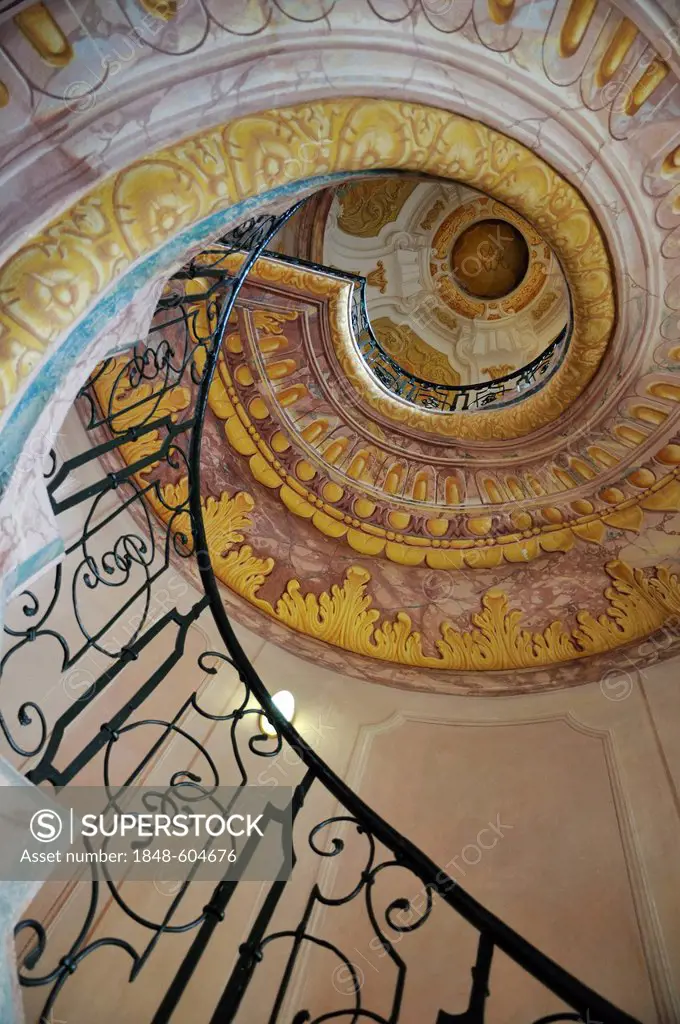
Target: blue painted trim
x,y
21,574
38,561
51,373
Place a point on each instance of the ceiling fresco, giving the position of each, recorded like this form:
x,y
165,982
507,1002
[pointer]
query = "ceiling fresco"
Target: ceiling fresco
x,y
359,533
490,259
497,550
461,289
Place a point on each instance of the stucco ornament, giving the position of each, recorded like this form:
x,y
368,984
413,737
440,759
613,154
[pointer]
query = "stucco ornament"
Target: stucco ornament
x,y
134,212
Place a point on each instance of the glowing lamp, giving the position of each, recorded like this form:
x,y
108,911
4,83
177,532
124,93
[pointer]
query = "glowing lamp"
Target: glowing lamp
x,y
284,701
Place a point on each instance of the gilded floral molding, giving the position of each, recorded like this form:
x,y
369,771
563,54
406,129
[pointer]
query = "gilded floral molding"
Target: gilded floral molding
x,y
367,206
345,615
450,229
413,353
48,285
482,550
309,491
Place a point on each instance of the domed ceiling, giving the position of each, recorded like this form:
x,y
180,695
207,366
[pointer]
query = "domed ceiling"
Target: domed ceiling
x,y
460,288
404,543
566,114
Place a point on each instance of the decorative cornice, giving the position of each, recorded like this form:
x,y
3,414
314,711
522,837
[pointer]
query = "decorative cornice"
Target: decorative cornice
x,y
305,489
51,281
346,617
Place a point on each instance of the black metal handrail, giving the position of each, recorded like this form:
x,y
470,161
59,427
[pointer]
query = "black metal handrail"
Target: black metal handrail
x,y
492,931
444,398
144,380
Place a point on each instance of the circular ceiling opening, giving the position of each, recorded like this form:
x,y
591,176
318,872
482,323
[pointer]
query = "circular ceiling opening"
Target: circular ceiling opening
x,y
490,259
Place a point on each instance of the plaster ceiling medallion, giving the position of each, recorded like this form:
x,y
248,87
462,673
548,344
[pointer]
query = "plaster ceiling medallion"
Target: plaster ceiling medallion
x,y
482,253
461,289
490,259
334,527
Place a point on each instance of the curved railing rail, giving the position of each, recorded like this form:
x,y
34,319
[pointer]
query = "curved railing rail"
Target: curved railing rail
x,y
444,398
146,414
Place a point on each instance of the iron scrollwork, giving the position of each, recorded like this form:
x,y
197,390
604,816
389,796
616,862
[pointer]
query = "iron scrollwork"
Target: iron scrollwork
x,y
160,392
441,398
444,398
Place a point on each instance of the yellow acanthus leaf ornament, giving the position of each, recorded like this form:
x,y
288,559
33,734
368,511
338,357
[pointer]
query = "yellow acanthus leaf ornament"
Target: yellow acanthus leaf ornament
x,y
150,203
346,617
146,404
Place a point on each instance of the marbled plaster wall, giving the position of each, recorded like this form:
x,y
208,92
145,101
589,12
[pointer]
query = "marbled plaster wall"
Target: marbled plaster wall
x,y
94,114
580,786
560,810
71,123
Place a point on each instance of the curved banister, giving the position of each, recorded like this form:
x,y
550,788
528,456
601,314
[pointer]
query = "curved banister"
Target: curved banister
x,y
140,437
591,1006
442,398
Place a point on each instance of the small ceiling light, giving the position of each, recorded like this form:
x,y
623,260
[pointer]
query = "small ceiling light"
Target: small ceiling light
x,y
285,703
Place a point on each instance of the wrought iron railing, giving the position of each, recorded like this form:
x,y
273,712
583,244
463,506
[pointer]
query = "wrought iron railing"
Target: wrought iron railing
x,y
445,398
152,423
